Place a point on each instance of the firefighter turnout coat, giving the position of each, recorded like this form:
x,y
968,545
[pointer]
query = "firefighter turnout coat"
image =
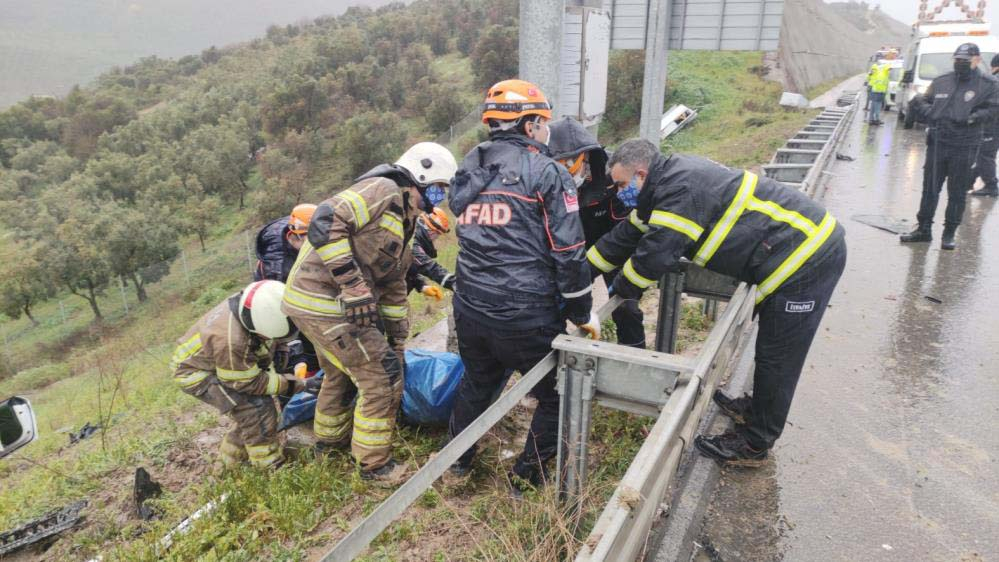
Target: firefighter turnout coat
x,y
726,220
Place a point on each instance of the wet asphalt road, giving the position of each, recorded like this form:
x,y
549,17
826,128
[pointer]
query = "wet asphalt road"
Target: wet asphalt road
x,y
892,450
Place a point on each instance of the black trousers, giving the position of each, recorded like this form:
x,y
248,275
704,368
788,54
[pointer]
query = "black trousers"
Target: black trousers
x,y
788,320
953,164
628,319
985,166
488,354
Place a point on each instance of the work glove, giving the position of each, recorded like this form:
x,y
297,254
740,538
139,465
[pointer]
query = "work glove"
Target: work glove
x,y
293,386
312,385
577,309
448,282
361,310
591,327
433,292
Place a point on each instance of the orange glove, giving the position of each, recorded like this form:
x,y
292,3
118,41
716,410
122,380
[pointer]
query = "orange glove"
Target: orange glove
x,y
433,291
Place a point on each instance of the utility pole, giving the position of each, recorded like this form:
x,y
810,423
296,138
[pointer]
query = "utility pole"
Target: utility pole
x,y
541,28
654,82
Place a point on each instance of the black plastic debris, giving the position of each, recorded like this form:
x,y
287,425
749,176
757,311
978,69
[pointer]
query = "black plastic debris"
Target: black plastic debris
x,y
42,528
840,156
933,299
86,431
145,488
881,222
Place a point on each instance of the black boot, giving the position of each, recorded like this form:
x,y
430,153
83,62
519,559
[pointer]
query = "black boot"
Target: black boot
x,y
731,449
921,234
947,240
986,192
735,408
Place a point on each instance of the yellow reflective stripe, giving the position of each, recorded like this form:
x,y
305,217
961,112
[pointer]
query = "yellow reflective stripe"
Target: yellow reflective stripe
x,y
675,222
273,383
373,424
393,311
303,301
724,226
186,350
236,376
636,279
334,250
357,203
232,450
380,439
797,258
192,379
391,224
336,363
264,455
332,421
780,214
637,222
598,260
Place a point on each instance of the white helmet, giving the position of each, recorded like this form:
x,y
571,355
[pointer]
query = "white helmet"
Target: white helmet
x,y
427,163
260,309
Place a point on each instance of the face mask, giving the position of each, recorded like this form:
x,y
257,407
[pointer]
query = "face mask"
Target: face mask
x,y
583,175
629,195
962,67
434,195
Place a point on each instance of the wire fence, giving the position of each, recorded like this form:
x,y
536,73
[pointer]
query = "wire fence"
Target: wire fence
x,y
193,275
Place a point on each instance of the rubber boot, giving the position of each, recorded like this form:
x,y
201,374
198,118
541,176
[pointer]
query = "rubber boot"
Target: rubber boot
x,y
922,233
947,240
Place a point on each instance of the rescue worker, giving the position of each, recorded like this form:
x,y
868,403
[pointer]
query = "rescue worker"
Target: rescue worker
x,y
985,166
878,82
958,106
867,82
222,361
347,293
600,207
429,226
278,243
736,223
521,267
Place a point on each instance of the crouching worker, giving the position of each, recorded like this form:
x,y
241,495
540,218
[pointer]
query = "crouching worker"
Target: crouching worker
x,y
223,361
347,293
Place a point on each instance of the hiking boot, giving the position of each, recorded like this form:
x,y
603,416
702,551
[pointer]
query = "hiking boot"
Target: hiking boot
x,y
986,192
390,474
735,408
921,234
456,475
730,449
947,240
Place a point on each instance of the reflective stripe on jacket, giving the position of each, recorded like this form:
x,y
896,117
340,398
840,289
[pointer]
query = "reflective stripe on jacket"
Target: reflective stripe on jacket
x,y
727,220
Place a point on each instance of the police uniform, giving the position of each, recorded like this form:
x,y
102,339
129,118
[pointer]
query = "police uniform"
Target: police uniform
x,y
752,228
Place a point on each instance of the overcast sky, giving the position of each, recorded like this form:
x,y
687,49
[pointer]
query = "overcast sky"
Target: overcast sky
x,y
906,11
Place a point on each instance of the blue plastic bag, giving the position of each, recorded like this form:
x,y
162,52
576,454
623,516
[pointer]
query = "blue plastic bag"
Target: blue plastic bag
x,y
432,379
431,384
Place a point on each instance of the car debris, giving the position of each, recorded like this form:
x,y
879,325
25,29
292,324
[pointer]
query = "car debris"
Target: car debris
x,y
41,528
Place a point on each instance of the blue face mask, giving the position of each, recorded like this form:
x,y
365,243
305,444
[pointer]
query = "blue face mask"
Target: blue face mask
x,y
629,195
434,195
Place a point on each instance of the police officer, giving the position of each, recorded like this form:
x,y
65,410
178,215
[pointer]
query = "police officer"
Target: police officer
x,y
957,106
985,166
347,293
600,207
521,267
752,228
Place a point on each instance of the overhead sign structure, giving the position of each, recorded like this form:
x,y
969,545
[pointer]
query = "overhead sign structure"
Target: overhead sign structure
x,y
726,25
585,56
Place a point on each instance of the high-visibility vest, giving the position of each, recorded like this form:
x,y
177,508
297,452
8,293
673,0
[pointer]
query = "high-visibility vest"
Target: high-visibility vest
x,y
879,79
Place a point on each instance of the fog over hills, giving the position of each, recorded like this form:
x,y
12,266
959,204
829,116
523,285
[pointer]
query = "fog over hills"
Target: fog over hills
x,y
47,46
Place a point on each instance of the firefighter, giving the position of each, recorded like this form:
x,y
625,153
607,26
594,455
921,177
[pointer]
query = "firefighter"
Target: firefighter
x,y
347,293
521,267
958,106
752,228
278,243
985,167
600,207
222,361
429,226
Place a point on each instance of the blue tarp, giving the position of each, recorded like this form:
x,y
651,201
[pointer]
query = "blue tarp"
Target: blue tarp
x,y
431,384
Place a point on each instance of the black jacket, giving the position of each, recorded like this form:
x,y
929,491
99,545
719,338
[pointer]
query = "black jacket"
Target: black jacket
x,y
425,261
520,240
599,207
957,110
727,220
275,255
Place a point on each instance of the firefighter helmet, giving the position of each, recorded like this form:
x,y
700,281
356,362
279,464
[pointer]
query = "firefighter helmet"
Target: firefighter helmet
x,y
428,163
437,221
510,100
260,309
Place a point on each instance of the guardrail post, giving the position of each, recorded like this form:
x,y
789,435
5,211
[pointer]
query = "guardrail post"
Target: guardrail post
x,y
571,437
670,293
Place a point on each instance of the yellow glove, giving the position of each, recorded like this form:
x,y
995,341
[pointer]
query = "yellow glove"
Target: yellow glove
x,y
433,291
592,328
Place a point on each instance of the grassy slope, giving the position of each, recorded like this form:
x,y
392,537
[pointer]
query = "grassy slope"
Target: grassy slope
x,y
119,374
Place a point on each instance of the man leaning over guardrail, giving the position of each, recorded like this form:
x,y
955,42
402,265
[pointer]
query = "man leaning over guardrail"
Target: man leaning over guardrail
x,y
751,228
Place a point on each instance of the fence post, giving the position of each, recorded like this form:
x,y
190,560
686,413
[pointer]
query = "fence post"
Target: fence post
x,y
6,346
124,301
249,250
187,272
62,311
